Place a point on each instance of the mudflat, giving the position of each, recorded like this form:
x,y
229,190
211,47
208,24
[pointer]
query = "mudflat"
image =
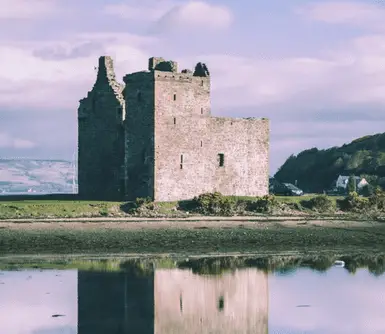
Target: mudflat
x,y
190,235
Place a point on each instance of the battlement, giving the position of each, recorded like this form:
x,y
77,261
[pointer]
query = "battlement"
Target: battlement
x,y
159,64
159,68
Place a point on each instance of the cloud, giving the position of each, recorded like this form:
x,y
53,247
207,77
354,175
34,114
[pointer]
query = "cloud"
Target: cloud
x,y
27,9
140,10
195,15
8,141
345,12
57,74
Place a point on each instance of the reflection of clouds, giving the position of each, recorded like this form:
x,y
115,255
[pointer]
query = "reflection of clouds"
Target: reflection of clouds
x,y
339,302
30,298
57,330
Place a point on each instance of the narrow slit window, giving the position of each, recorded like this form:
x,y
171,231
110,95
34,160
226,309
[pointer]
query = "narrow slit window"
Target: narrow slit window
x,y
221,303
181,161
201,111
201,143
174,120
221,159
174,97
180,304
202,83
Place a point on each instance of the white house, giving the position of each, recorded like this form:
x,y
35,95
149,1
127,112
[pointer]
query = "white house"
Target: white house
x,y
342,182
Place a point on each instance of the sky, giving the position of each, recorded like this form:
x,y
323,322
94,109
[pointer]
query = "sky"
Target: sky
x,y
316,69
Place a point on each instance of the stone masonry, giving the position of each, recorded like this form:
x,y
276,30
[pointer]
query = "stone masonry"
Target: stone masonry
x,y
156,137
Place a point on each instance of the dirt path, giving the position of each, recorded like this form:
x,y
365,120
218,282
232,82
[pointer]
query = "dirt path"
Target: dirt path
x,y
190,223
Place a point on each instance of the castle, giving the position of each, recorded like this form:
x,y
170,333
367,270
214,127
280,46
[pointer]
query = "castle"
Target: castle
x,y
155,137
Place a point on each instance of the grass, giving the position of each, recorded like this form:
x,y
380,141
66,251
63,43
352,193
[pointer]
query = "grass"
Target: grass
x,y
58,209
37,208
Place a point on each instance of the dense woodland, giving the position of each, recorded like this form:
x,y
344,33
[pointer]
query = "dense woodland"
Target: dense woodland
x,y
317,170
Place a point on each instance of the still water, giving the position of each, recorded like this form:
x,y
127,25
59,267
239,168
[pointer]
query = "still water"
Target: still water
x,y
192,296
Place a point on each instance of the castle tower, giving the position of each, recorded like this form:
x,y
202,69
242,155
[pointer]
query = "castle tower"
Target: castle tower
x,y
101,137
166,108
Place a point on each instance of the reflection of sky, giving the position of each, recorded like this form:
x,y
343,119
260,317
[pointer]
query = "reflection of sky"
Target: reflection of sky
x,y
29,298
339,302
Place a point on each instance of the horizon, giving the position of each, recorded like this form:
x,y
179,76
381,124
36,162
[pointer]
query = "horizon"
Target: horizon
x,y
313,68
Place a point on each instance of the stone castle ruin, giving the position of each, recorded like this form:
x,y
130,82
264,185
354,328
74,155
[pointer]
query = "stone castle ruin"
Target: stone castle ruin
x,y
155,136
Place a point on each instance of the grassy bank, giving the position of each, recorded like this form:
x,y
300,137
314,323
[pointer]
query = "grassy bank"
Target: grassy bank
x,y
214,205
196,239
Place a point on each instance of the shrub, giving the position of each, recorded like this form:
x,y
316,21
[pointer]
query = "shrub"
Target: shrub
x,y
367,190
264,204
141,206
377,200
214,204
321,203
142,201
353,202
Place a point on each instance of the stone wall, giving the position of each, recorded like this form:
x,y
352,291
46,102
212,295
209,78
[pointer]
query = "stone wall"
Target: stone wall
x,y
188,142
101,137
139,130
230,303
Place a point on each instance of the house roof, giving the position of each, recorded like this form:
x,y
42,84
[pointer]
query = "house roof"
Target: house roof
x,y
346,178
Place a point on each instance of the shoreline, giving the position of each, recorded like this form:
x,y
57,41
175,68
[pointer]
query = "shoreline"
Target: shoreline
x,y
198,236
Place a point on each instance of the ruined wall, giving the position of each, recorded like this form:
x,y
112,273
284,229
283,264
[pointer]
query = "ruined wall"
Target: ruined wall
x,y
139,135
188,143
100,137
230,303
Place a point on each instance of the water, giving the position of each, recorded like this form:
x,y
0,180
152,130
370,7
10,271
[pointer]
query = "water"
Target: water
x,y
226,295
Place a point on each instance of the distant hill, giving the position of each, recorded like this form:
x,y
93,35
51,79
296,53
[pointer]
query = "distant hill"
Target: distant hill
x,y
315,170
35,176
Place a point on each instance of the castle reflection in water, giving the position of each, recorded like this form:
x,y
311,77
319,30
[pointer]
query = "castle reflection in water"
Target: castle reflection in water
x,y
168,301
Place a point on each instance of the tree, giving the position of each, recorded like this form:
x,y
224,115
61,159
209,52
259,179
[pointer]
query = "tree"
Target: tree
x,y
351,184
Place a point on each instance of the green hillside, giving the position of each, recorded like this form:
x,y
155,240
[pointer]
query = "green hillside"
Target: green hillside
x,y
316,170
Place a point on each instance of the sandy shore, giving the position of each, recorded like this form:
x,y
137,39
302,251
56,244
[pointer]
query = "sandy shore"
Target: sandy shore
x,y
184,223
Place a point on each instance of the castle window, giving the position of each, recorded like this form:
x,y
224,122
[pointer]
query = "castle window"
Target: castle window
x,y
174,97
180,304
221,303
201,111
221,159
201,143
181,161
174,120
202,83
139,96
